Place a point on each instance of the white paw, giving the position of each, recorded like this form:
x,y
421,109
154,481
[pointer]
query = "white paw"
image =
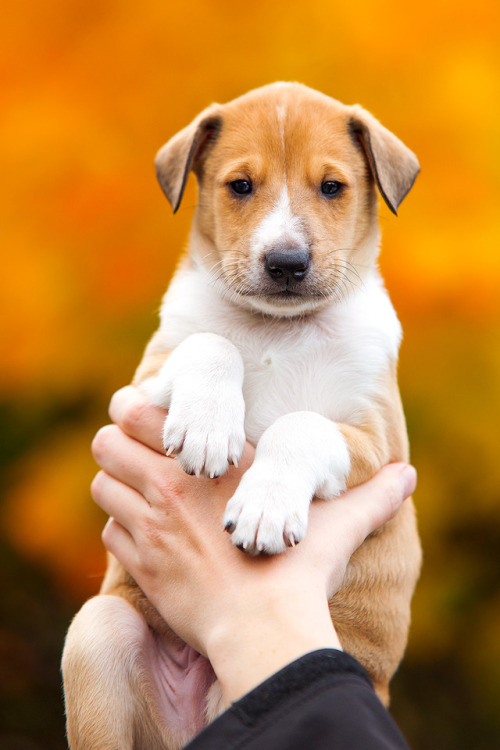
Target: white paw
x,y
266,514
201,386
300,455
206,434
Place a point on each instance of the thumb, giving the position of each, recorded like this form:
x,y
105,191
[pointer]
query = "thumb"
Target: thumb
x,y
384,494
344,523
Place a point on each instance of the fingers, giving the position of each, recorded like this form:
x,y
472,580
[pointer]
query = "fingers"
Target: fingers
x,y
128,460
118,500
138,417
119,542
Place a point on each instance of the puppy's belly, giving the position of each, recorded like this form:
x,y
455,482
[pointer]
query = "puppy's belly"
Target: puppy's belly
x,y
180,680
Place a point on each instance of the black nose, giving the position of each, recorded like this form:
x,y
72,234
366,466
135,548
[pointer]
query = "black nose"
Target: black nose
x,y
287,265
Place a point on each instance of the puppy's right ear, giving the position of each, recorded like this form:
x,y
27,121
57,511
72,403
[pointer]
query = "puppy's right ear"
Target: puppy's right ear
x,y
184,153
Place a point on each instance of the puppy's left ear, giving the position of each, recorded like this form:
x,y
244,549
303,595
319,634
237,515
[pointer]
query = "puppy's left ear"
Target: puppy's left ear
x,y
185,152
393,166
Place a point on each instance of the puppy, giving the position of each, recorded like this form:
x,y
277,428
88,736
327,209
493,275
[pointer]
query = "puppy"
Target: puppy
x,y
277,329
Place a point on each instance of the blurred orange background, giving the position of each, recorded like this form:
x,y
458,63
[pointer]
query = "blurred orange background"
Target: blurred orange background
x,y
90,90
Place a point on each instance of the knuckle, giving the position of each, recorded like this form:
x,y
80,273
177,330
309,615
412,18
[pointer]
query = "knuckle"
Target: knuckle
x,y
153,534
169,490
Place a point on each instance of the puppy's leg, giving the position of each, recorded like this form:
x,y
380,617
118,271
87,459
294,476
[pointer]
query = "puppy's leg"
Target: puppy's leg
x,y
376,596
201,385
102,665
215,702
301,455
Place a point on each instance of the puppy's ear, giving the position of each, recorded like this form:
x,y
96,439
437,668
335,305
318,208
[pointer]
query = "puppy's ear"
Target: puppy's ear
x,y
393,166
185,151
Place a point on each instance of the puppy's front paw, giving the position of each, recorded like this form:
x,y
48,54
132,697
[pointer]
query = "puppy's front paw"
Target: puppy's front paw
x,y
266,514
205,433
201,386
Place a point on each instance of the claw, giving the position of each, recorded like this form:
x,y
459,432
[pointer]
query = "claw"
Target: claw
x,y
230,527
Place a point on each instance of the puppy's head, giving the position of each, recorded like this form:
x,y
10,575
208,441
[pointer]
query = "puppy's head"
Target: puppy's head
x,y
287,212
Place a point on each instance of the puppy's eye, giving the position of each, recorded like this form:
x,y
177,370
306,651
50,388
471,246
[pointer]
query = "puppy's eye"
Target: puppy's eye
x,y
331,188
241,187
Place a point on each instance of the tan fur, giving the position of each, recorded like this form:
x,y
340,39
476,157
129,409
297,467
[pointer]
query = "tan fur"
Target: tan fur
x,y
326,140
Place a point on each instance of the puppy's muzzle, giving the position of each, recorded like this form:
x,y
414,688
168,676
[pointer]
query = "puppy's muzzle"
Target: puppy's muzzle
x,y
287,266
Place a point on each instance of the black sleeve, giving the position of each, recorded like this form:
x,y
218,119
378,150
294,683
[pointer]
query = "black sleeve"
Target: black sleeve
x,y
323,700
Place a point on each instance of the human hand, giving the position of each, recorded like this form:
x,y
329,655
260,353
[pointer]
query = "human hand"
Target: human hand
x,y
250,616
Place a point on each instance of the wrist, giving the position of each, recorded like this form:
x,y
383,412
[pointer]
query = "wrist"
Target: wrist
x,y
248,644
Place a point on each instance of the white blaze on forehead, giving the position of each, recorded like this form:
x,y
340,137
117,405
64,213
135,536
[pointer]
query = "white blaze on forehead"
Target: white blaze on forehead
x,y
278,227
281,112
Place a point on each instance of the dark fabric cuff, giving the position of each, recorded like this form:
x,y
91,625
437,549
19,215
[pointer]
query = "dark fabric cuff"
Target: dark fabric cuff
x,y
297,676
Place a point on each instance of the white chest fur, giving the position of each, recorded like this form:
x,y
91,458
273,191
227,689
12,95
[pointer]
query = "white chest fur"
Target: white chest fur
x,y
331,362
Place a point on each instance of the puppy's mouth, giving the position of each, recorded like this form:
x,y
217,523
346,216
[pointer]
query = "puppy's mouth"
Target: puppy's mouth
x,y
286,296
289,294
287,300
285,293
